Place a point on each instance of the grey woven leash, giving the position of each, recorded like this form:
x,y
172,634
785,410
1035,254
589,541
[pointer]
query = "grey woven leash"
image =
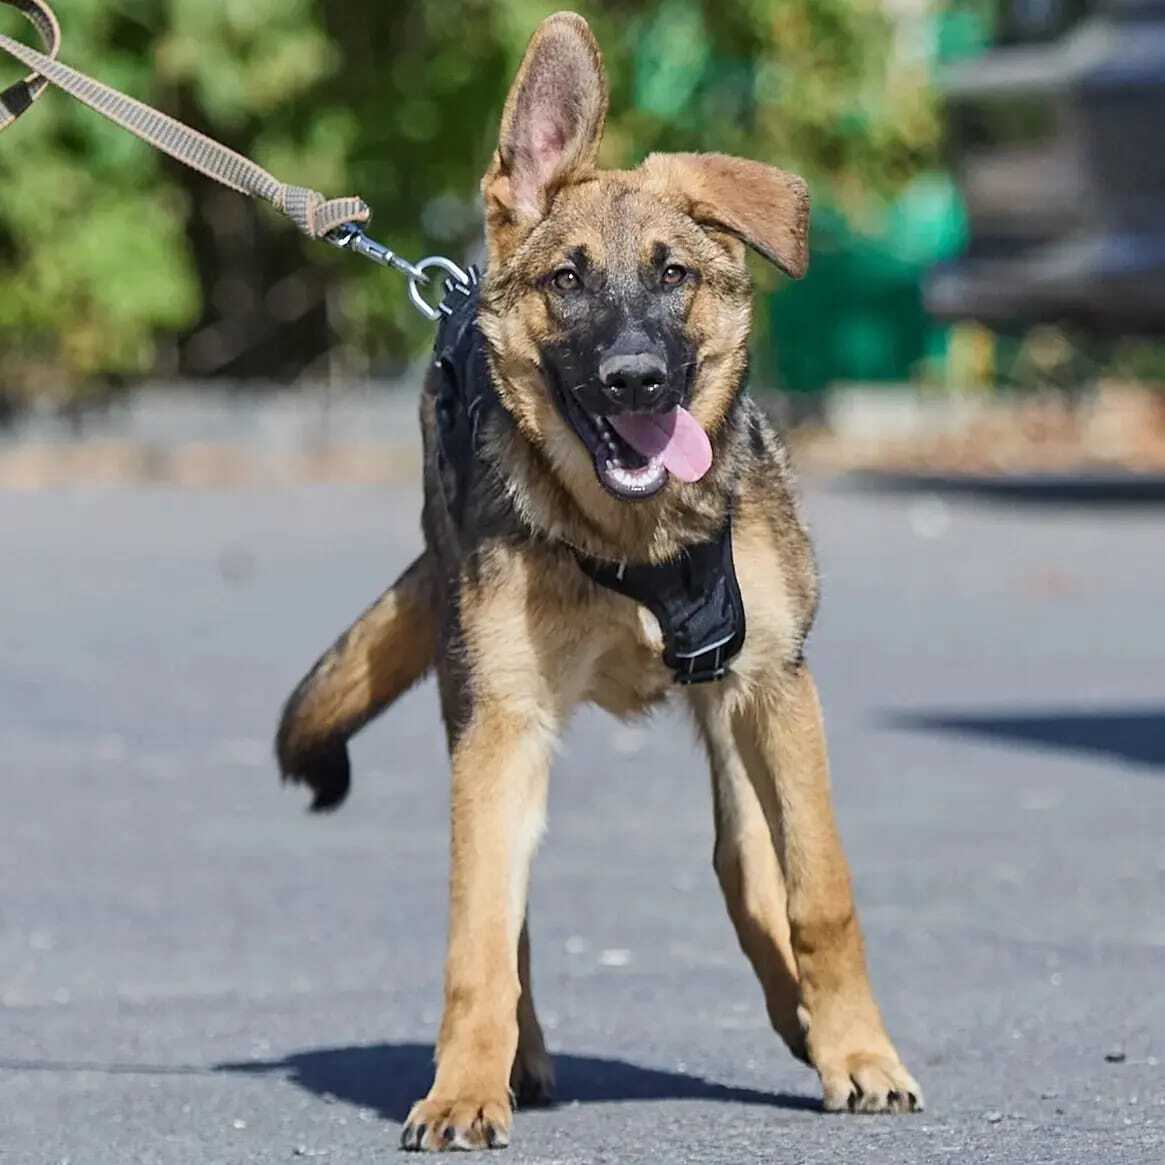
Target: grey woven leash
x,y
335,220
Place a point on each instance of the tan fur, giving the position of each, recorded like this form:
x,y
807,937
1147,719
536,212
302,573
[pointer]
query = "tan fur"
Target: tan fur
x,y
766,208
521,182
526,636
549,475
750,878
387,650
501,763
782,741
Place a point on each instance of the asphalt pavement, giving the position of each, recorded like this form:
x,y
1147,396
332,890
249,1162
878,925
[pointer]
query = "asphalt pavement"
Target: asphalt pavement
x,y
194,970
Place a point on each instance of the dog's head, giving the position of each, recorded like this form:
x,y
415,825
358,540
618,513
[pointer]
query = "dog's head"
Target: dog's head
x,y
619,301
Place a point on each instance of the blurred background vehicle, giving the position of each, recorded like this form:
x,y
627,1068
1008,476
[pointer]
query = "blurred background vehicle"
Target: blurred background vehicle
x,y
1055,137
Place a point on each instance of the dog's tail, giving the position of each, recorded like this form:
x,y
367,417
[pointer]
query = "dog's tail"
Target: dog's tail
x,y
377,659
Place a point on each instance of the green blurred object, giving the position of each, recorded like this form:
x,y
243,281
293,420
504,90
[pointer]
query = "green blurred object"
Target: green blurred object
x,y
858,314
964,30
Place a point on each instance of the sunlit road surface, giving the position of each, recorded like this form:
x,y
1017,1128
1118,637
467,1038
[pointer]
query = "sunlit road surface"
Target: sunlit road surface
x,y
194,970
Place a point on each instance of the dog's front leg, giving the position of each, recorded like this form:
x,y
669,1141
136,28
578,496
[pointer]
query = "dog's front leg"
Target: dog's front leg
x,y
500,768
782,739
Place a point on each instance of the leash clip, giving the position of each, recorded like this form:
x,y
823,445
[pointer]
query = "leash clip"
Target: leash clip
x,y
351,237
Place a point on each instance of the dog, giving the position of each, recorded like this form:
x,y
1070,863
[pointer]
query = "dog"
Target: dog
x,y
605,510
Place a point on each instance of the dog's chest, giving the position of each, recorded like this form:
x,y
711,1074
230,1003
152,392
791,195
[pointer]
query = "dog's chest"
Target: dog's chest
x,y
629,674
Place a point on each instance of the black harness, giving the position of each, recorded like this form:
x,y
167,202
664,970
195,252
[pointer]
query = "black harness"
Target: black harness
x,y
695,597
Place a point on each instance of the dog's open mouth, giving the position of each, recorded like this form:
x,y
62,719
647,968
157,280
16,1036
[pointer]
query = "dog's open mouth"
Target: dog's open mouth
x,y
621,467
634,453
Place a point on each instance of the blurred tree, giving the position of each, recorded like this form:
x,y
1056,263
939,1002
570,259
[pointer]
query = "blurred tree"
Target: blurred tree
x,y
115,262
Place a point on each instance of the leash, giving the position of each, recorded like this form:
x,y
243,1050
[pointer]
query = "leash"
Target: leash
x,y
339,221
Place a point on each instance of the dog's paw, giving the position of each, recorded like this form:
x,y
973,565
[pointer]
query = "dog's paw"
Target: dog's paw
x,y
532,1077
868,1081
437,1124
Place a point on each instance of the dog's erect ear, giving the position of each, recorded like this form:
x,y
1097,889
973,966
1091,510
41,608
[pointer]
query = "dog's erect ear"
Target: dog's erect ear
x,y
552,123
766,208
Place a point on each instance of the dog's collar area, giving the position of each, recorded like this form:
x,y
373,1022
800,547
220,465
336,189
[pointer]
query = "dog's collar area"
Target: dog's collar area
x,y
695,597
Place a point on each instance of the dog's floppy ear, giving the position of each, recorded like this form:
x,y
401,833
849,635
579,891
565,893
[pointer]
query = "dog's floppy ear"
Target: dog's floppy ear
x,y
552,123
764,207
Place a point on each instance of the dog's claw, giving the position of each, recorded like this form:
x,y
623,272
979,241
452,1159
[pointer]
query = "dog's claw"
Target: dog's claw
x,y
443,1126
870,1083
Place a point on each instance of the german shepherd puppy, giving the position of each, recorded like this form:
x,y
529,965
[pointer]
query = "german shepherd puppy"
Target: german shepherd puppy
x,y
615,306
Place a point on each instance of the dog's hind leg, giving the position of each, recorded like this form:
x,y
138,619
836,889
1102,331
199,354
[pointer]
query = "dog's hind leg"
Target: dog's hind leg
x,y
387,650
532,1076
746,866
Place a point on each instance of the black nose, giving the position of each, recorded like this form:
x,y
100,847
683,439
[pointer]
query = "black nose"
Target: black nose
x,y
633,381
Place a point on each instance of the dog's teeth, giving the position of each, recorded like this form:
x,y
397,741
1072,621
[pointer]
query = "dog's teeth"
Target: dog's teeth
x,y
632,480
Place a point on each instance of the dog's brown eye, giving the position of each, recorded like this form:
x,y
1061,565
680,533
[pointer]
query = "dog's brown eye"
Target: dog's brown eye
x,y
674,275
566,279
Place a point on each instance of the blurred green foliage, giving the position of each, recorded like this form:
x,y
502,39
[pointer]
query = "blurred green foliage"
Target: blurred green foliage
x,y
116,263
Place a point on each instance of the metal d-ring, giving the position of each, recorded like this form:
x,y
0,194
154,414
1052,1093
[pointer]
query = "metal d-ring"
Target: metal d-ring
x,y
462,280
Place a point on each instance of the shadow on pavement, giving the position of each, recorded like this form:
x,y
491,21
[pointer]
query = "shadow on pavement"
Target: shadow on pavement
x,y
1087,489
1133,735
388,1078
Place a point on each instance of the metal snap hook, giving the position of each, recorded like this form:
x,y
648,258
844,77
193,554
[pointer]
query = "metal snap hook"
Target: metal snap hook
x,y
351,237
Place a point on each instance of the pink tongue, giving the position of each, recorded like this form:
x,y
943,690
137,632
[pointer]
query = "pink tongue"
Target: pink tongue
x,y
676,437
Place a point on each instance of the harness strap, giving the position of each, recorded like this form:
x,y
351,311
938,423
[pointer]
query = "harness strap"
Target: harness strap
x,y
696,600
465,395
313,214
